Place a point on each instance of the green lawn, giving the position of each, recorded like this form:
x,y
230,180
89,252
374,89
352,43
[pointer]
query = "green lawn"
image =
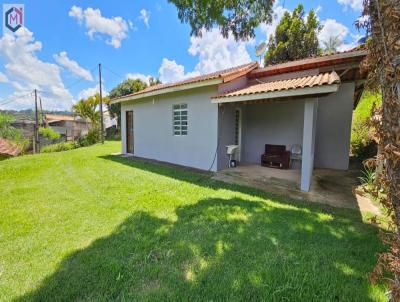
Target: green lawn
x,y
84,225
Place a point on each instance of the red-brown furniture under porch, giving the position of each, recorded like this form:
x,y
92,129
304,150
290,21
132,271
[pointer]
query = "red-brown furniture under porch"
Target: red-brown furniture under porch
x,y
276,156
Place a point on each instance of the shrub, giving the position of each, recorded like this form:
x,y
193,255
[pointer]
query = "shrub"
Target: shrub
x,y
49,133
362,144
63,146
91,138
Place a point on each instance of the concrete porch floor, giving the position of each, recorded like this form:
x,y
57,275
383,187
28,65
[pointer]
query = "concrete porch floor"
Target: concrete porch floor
x,y
330,187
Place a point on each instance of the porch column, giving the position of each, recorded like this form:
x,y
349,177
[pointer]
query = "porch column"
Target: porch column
x,y
309,128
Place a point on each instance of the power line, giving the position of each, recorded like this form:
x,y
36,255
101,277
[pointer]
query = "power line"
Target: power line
x,y
72,84
114,73
14,98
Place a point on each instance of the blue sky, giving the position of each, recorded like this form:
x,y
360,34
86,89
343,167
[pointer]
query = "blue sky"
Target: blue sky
x,y
63,41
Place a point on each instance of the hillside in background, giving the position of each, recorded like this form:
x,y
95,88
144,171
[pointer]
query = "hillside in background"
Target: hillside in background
x,y
29,114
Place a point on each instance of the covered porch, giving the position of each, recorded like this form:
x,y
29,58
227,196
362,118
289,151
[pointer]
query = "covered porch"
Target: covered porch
x,y
312,112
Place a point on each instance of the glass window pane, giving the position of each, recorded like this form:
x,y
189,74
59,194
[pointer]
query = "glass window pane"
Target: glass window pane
x,y
184,132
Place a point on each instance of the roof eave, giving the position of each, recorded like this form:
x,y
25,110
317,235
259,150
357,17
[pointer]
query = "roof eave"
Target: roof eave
x,y
307,91
309,63
168,90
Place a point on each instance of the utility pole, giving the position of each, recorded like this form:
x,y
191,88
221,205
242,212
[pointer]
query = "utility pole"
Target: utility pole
x,y
101,108
41,111
35,139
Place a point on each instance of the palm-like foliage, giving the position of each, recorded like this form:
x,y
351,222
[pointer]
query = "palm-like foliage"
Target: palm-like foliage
x,y
89,108
332,44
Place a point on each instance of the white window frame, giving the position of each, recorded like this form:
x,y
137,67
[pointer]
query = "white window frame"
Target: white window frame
x,y
180,126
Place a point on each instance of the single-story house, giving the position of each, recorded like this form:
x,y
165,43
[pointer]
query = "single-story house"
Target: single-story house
x,y
67,125
306,103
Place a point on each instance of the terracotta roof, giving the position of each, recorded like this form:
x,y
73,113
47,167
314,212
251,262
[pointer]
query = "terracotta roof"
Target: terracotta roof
x,y
56,117
354,55
252,70
8,148
220,74
321,79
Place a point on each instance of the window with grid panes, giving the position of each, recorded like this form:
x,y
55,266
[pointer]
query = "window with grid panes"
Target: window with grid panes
x,y
180,119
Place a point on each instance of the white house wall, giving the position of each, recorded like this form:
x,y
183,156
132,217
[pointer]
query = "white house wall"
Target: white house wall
x,y
153,135
332,143
277,123
281,123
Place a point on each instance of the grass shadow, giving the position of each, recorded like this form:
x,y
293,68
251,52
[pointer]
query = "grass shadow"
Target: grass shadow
x,y
204,179
222,250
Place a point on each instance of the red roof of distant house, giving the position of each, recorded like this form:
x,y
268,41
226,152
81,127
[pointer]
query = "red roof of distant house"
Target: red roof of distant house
x,y
56,117
8,148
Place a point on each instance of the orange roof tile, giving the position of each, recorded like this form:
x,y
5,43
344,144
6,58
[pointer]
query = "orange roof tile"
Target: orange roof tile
x,y
210,76
328,78
8,148
353,55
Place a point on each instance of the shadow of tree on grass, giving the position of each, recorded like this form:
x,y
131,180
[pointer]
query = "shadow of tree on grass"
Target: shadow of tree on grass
x,y
221,250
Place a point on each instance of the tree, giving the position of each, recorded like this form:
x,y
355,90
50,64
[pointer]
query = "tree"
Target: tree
x,y
381,20
332,44
6,129
11,133
296,37
154,81
88,108
239,17
124,88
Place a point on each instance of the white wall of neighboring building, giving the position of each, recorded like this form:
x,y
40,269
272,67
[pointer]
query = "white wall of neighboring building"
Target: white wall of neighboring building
x,y
153,130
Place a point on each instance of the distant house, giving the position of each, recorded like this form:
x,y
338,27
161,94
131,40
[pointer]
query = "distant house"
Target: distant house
x,y
27,127
69,126
8,149
301,105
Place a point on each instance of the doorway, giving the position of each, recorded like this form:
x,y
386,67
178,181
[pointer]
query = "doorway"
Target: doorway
x,y
129,132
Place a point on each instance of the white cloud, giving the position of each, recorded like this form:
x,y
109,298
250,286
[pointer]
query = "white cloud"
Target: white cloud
x,y
214,53
332,28
26,72
116,27
140,76
356,5
3,78
91,91
217,53
170,71
145,17
63,60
